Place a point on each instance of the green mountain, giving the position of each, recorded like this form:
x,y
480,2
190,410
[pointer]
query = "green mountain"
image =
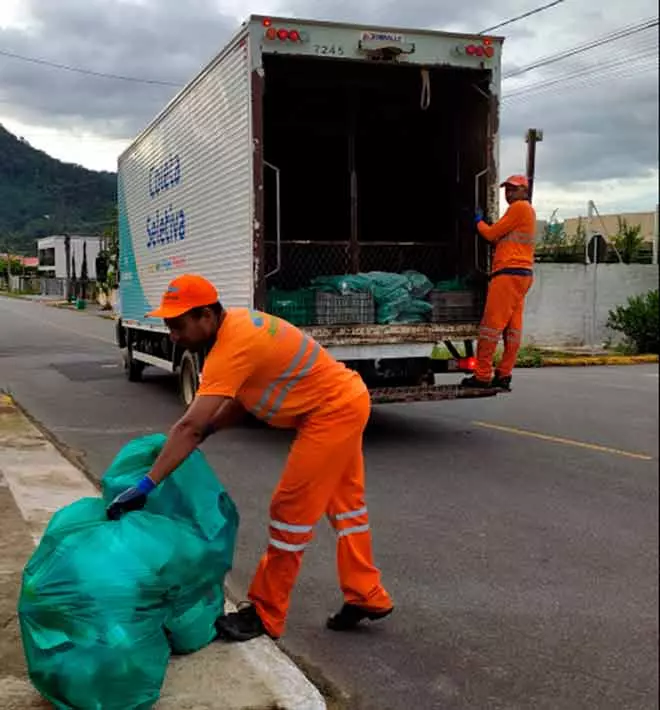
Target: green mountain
x,y
40,195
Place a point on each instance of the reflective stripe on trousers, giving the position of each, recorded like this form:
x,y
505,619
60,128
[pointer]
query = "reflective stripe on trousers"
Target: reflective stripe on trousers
x,y
337,520
295,538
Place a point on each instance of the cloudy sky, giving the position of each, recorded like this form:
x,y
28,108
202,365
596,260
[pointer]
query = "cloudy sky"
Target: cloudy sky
x,y
598,109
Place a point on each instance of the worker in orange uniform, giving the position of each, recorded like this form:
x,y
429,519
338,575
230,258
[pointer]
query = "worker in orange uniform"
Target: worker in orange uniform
x,y
262,364
511,278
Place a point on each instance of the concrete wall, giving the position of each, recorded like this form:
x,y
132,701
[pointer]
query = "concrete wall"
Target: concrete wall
x,y
559,308
57,242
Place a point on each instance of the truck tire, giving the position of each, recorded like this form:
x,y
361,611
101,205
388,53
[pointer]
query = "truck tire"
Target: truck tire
x,y
188,378
132,367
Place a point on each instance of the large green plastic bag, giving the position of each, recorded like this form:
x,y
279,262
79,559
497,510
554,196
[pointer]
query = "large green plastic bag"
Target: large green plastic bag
x,y
91,608
193,496
101,599
420,286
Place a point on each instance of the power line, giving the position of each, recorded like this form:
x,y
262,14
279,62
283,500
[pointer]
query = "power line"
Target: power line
x,y
88,72
643,51
521,17
628,66
599,42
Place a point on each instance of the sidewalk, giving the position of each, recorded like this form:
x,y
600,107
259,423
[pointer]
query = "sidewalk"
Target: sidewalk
x,y
35,481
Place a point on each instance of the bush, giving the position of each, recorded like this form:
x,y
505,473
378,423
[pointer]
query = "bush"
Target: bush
x,y
639,321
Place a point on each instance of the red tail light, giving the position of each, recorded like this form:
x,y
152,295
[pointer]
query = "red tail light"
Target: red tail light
x,y
294,36
468,363
283,35
271,33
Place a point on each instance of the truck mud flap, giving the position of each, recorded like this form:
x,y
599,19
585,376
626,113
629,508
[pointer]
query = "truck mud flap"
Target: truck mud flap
x,y
390,395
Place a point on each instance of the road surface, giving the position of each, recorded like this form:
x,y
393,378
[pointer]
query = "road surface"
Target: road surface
x,y
517,535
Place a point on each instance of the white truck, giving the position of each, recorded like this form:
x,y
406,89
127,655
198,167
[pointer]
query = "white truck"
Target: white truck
x,y
313,148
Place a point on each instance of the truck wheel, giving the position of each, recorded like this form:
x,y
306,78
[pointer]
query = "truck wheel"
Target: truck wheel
x,y
132,367
188,378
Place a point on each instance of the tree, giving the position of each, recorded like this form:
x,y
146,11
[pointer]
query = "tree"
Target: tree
x,y
628,241
579,239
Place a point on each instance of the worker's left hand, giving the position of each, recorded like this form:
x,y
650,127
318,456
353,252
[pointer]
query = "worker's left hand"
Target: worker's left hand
x,y
133,498
478,215
126,502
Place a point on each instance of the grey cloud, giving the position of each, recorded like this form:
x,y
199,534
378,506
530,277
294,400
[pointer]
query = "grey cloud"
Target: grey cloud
x,y
167,41
594,130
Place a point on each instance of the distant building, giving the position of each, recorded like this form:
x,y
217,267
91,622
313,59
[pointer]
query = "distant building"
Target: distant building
x,y
29,262
52,255
610,224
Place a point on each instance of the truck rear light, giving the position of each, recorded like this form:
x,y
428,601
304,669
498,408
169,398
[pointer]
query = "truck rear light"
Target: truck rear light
x,y
476,50
294,36
268,22
467,363
283,35
271,33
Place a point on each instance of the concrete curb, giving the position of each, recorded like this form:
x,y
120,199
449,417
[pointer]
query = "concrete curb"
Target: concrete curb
x,y
599,360
38,496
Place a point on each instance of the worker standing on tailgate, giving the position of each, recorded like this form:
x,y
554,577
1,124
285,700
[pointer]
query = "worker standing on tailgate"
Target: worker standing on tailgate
x,y
511,279
262,364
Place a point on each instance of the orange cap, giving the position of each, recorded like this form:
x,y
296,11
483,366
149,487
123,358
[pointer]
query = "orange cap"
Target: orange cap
x,y
516,181
183,294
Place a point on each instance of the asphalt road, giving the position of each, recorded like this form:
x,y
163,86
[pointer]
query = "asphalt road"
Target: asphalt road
x,y
518,535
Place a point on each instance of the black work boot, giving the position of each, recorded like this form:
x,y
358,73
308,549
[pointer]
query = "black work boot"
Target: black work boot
x,y
241,625
350,615
475,384
502,383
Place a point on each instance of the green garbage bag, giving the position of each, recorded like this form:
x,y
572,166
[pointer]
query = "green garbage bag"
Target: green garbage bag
x,y
90,608
192,496
103,603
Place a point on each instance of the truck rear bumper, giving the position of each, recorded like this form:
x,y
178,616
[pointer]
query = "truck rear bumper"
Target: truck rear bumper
x,y
427,393
394,334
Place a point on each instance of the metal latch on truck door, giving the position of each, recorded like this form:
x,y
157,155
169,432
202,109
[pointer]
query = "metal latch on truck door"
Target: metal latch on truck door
x,y
384,45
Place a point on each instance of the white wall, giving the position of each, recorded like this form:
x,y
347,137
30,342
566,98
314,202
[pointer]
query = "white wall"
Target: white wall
x,y
559,308
93,249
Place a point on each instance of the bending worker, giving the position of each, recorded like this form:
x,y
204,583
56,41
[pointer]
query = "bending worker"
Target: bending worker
x,y
262,364
511,279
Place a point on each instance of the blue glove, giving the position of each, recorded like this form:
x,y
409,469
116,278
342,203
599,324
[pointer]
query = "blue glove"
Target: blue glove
x,y
134,498
478,215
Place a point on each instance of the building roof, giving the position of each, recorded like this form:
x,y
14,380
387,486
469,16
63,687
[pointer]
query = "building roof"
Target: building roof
x,y
608,224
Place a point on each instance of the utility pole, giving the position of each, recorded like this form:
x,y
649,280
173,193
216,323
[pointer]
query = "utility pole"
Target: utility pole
x,y
534,136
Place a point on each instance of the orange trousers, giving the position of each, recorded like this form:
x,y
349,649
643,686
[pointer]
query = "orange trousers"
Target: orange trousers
x,y
503,316
324,474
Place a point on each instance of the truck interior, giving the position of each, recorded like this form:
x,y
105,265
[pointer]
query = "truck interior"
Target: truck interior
x,y
377,165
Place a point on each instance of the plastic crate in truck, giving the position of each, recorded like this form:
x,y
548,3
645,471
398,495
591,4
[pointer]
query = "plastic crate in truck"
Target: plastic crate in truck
x,y
322,171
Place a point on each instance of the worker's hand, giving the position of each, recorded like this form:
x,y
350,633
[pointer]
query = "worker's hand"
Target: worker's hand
x,y
478,215
134,498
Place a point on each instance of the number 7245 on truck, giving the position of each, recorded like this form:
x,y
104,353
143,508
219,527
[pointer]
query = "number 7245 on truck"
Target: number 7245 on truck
x,y
306,159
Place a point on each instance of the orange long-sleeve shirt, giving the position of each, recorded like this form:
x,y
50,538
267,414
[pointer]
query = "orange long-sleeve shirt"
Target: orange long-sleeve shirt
x,y
514,236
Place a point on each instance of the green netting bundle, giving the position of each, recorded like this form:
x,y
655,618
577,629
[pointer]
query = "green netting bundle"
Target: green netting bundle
x,y
103,603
